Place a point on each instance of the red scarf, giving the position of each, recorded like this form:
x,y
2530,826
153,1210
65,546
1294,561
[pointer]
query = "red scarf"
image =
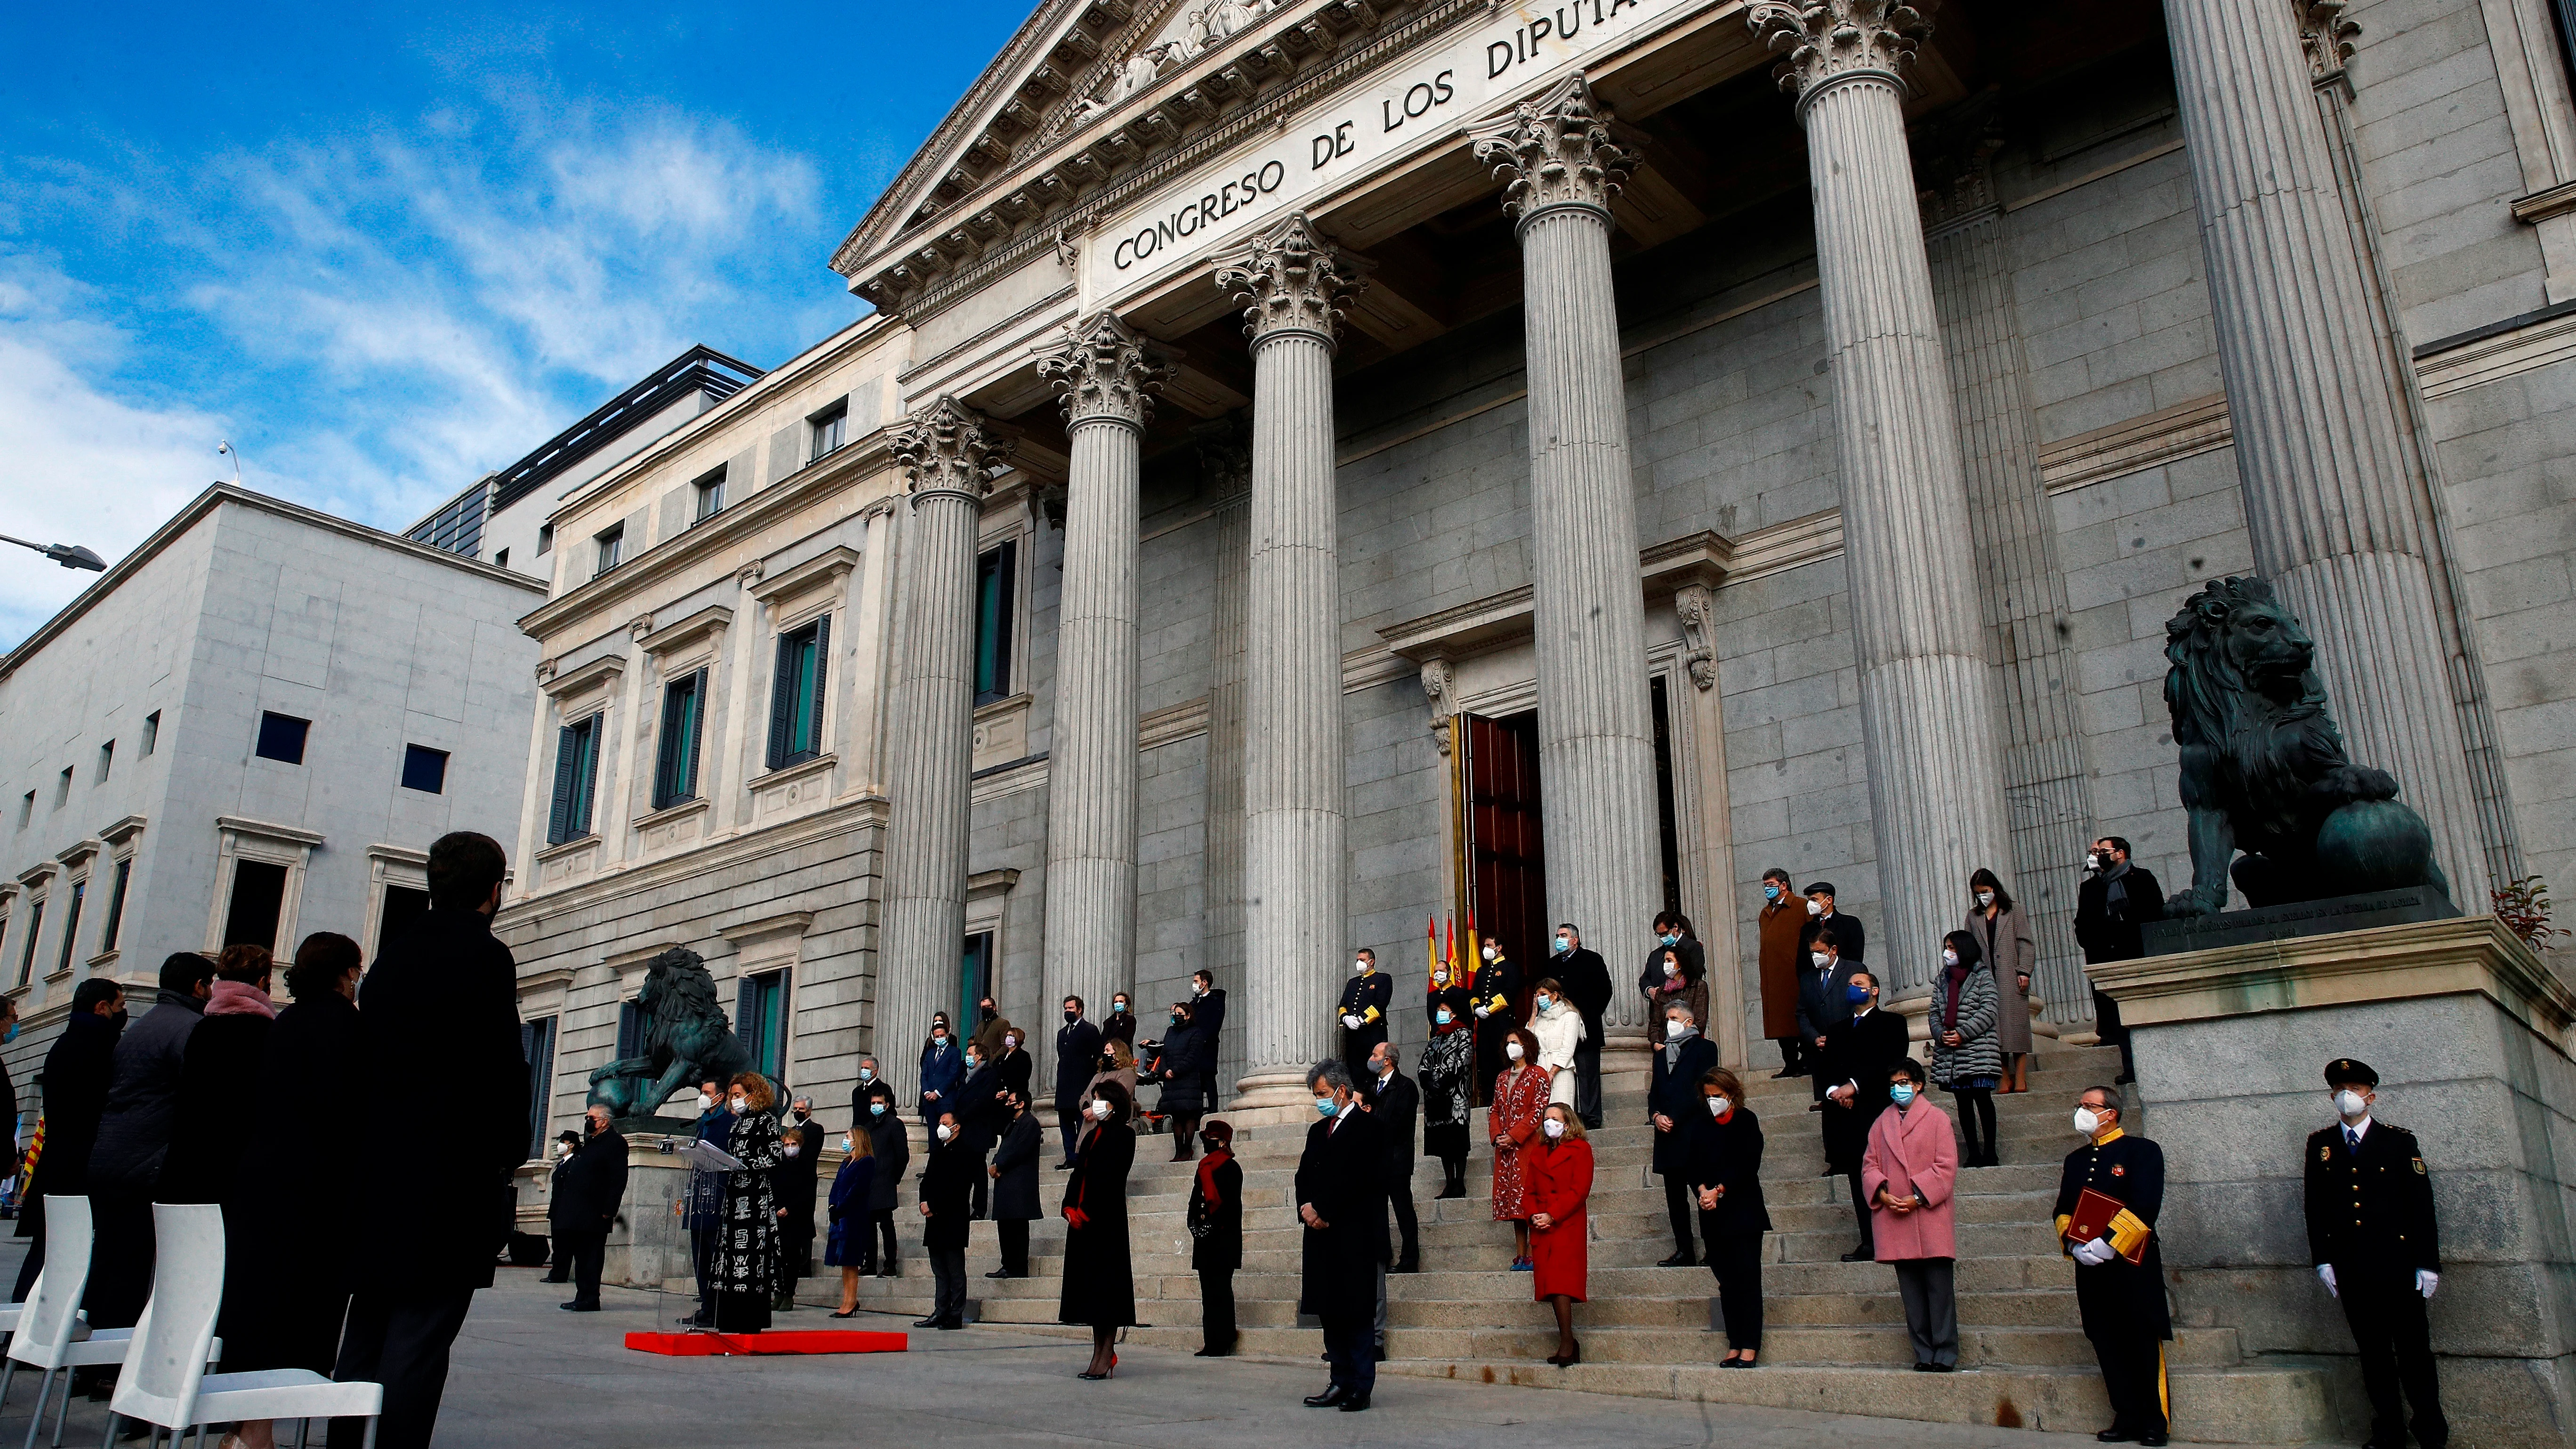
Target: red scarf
x,y
1215,1158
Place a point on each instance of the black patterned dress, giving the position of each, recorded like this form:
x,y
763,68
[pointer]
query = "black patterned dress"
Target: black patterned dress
x,y
745,1263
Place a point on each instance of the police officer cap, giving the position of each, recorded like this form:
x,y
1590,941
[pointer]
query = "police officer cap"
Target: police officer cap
x,y
2343,1070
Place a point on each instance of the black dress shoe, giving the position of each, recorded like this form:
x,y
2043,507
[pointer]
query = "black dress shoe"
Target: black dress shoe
x,y
1679,1260
1938,1368
999,1273
1862,1254
1214,1353
1325,1400
577,1306
2152,1441
1356,1404
2116,1434
1407,1265
947,1324
931,1322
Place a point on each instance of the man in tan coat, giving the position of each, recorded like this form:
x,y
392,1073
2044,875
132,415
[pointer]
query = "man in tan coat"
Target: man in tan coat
x,y
1784,912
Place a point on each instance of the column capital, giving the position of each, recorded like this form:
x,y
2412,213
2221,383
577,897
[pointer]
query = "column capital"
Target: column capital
x,y
1828,40
1105,373
1290,281
946,449
1555,150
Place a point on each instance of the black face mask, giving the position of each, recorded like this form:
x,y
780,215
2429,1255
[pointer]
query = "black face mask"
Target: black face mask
x,y
116,1018
1071,1017
989,1013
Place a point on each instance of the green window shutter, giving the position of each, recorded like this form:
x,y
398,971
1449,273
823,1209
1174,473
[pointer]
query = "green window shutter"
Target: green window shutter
x,y
810,728
567,765
782,692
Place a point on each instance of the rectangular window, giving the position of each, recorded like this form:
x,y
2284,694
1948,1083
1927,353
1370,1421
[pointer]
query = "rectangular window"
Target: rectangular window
x,y
26,809
281,737
760,1019
831,429
71,923
500,558
974,976
537,1048
115,905
545,539
675,764
710,496
404,909
630,1031
612,549
424,769
994,597
796,695
106,760
151,732
35,931
576,776
259,893
63,788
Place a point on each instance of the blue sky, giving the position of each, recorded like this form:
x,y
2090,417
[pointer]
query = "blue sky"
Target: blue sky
x,y
385,249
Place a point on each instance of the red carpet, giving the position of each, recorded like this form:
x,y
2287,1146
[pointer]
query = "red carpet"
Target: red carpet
x,y
816,1340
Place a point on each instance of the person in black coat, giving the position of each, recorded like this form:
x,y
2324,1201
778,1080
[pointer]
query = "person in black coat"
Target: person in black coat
x,y
1099,1273
587,1188
1724,1169
893,1152
1207,1012
1687,1057
1857,1057
2116,899
75,1076
1500,1001
1361,1013
1077,1056
1015,1184
441,1005
133,1137
976,1106
1119,1025
2122,1301
213,1114
1215,1221
2378,1249
1821,916
1824,998
1394,1103
947,1185
795,1183
1183,1071
1586,979
1341,1198
1011,1058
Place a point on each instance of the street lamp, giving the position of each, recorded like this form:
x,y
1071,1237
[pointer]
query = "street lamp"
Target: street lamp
x,y
69,555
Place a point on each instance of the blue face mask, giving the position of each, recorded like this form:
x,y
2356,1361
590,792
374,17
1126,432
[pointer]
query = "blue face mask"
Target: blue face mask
x,y
1855,993
1563,945
1443,1017
1326,1106
1771,892
1672,938
876,1109
11,1034
1901,1094
1543,1003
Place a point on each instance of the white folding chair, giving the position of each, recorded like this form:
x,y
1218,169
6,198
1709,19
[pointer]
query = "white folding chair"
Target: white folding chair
x,y
164,1381
52,1334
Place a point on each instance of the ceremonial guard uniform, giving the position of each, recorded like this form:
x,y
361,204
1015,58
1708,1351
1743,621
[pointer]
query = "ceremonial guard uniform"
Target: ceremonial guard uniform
x,y
2123,1301
2370,1220
1365,1001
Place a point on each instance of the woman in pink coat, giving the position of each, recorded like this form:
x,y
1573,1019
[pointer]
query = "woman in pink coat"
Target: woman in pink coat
x,y
1909,1174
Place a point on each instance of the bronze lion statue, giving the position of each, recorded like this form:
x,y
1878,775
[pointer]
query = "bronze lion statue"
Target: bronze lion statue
x,y
2264,769
686,1040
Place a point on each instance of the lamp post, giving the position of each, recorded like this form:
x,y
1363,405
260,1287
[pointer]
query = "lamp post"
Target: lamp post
x,y
69,555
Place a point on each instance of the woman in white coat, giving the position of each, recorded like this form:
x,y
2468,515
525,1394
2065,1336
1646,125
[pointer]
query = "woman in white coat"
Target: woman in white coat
x,y
1559,1029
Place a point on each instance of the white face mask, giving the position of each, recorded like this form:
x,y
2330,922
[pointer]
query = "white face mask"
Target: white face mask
x,y
1820,958
706,1103
1439,978
2087,1121
1011,1042
1949,958
738,1104
945,1131
1679,1031
1512,1049
1100,1111
564,1149
1672,968
1552,1127
2350,1104
1491,951
1815,908
1717,1106
2093,861
1361,965
1985,898
793,1149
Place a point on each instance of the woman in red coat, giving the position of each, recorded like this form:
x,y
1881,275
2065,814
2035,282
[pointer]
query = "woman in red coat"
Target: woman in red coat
x,y
1520,1095
1560,1181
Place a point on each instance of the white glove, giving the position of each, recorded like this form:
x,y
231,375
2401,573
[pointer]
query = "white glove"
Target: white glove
x,y
2426,1280
2094,1254
2325,1273
1482,1012
1352,1022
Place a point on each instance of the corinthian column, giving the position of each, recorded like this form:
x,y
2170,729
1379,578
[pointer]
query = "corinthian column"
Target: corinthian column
x,y
1293,289
2328,501
1596,724
945,451
1104,373
1926,704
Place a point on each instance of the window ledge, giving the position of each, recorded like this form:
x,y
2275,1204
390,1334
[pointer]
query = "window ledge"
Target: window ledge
x,y
1004,705
798,771
56,977
677,810
573,846
104,960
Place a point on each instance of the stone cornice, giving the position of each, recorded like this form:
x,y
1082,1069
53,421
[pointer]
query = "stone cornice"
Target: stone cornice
x,y
713,619
834,564
268,830
580,678
123,830
848,815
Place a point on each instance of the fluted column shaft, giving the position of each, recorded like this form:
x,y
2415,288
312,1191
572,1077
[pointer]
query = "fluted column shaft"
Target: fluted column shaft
x,y
1294,894
1927,705
932,759
2318,451
1091,762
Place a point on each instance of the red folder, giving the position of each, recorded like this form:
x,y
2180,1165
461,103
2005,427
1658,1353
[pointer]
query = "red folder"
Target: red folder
x,y
2092,1219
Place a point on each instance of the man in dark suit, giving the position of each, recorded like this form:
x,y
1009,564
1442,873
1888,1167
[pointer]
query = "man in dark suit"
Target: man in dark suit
x,y
1686,1058
2122,1301
440,1005
2115,900
1210,1017
585,1192
1586,979
1077,1056
1821,916
1362,1011
1394,1101
1015,1184
1824,1001
1341,1198
1858,1054
2378,1250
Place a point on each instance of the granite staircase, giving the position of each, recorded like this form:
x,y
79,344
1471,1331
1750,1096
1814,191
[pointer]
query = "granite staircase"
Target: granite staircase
x,y
1835,1336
